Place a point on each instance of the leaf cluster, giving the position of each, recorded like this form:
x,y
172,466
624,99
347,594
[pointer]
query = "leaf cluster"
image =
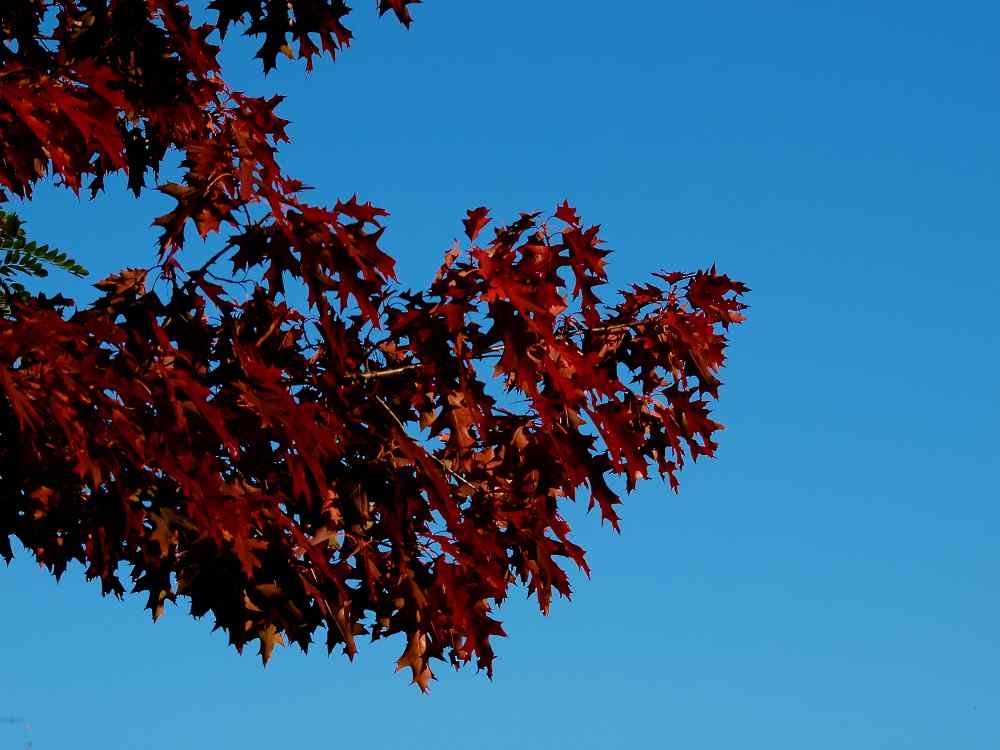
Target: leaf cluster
x,y
385,461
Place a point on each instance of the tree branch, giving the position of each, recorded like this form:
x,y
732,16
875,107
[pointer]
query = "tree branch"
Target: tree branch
x,y
403,369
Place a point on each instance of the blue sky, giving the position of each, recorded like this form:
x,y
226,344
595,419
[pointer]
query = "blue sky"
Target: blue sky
x,y
830,580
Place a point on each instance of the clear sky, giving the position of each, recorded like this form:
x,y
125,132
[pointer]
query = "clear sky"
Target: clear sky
x,y
831,580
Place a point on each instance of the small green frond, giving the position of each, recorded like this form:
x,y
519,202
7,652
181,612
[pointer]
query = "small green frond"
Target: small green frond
x,y
24,257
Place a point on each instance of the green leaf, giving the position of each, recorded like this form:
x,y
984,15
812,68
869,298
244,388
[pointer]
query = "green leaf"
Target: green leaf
x,y
26,258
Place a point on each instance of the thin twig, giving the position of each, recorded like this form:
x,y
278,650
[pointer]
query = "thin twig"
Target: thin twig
x,y
208,263
491,351
373,374
443,465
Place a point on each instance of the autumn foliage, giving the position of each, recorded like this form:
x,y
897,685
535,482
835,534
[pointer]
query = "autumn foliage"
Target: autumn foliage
x,y
382,461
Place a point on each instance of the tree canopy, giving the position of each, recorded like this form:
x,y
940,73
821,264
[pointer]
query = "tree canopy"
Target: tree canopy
x,y
382,461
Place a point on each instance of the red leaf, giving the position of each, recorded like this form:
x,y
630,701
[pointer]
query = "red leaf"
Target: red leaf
x,y
565,213
399,8
476,219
